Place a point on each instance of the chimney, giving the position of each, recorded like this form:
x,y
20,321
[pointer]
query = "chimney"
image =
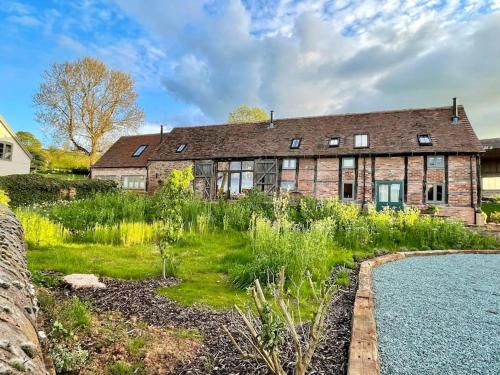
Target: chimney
x,y
161,134
454,117
271,125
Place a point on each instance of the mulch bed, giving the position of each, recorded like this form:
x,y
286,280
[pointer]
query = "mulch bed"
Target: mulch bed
x,y
217,355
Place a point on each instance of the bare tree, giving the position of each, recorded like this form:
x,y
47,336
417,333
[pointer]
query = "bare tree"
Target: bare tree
x,y
88,104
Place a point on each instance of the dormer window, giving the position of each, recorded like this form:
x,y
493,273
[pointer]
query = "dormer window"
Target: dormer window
x,y
295,144
424,140
361,140
181,148
334,142
139,151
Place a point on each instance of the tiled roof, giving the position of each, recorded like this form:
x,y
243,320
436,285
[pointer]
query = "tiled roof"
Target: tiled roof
x,y
491,143
120,154
390,132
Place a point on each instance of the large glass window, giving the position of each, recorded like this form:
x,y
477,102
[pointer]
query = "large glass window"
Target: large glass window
x,y
134,182
435,193
436,161
5,151
240,179
361,140
347,190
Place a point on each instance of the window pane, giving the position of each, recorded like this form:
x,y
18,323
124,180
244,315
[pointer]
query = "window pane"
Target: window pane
x,y
8,152
235,184
333,142
289,164
348,163
439,193
287,185
348,190
395,192
295,143
235,165
139,150
1,150
430,193
361,140
246,181
383,193
222,182
424,139
247,165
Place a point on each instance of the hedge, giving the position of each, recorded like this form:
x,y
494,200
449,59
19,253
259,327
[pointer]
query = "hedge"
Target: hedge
x,y
27,189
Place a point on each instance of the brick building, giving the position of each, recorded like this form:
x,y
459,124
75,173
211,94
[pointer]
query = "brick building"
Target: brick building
x,y
490,168
126,162
390,158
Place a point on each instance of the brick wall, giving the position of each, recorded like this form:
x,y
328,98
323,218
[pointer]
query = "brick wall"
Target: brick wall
x,y
364,188
415,185
390,168
327,177
459,181
306,176
159,170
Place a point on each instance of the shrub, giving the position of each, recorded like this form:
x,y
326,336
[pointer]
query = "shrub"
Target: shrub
x,y
4,198
25,190
66,360
495,217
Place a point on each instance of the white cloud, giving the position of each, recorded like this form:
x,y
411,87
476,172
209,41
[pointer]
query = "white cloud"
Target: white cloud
x,y
319,56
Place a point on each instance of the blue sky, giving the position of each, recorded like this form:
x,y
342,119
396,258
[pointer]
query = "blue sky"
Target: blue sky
x,y
194,61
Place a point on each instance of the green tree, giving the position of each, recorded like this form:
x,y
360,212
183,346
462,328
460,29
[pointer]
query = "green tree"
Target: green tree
x,y
88,104
244,114
34,146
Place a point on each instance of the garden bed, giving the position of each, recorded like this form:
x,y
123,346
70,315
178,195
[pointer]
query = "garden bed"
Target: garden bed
x,y
438,314
138,299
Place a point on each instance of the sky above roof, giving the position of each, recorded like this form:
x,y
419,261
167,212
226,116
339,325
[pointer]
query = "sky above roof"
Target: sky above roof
x,y
195,61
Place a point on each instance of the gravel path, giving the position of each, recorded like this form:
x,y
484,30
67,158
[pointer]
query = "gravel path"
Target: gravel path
x,y
439,315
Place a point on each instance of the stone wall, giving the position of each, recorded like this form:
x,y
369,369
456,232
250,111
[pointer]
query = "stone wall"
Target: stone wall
x,y
20,349
118,173
159,170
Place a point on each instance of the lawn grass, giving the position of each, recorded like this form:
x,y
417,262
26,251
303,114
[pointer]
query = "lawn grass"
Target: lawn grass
x,y
204,263
133,262
489,208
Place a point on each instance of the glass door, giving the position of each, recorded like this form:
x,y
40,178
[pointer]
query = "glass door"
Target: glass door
x,y
389,194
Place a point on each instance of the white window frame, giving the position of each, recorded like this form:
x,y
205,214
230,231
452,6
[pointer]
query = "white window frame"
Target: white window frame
x,y
361,140
432,159
142,184
286,164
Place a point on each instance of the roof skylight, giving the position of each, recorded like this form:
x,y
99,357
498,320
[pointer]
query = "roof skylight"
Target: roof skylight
x,y
139,151
424,140
295,143
181,148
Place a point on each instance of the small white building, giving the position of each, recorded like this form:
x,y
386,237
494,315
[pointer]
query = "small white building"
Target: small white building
x,y
14,158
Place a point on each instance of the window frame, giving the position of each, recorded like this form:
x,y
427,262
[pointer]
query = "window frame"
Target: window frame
x,y
424,143
435,157
361,135
288,168
353,183
136,153
133,188
332,139
349,158
292,147
4,146
181,148
240,172
434,193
